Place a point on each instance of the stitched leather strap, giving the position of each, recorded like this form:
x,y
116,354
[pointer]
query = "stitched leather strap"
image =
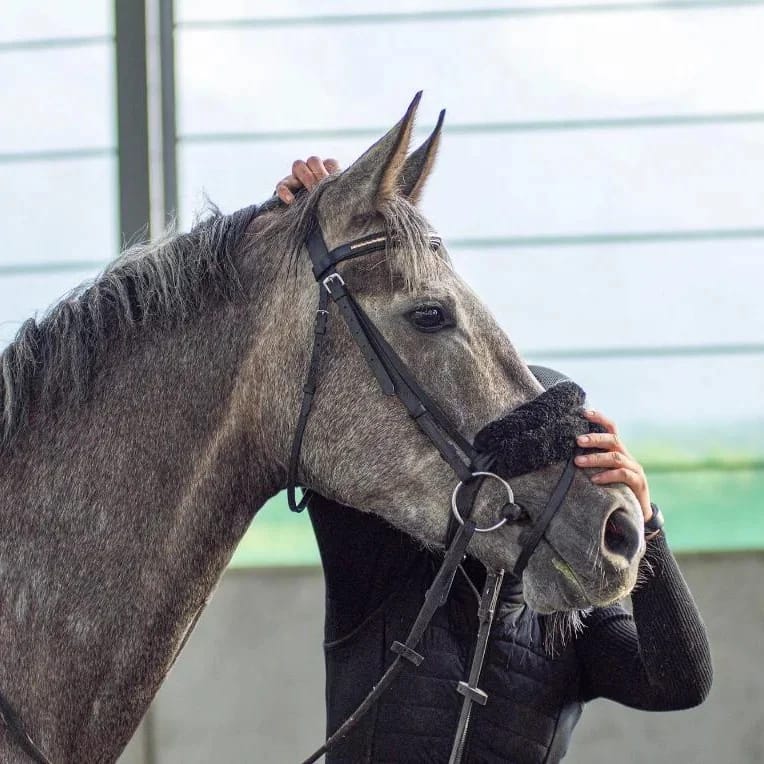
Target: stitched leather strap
x,y
308,392
472,693
391,372
539,528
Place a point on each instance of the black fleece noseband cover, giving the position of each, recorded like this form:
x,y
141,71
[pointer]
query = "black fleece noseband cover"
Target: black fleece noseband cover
x,y
538,433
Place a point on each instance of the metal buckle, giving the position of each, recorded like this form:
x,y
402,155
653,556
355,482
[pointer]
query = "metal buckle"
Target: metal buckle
x,y
455,510
336,276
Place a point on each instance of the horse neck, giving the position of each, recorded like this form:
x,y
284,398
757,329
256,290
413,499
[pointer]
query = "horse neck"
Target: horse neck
x,y
117,517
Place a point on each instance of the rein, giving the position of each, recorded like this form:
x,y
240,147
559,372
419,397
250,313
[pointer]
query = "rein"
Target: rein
x,y
470,467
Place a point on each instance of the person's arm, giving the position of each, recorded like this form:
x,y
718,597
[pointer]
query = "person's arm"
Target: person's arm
x,y
659,658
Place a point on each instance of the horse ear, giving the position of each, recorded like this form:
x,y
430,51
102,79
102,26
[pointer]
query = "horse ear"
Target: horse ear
x,y
375,176
418,166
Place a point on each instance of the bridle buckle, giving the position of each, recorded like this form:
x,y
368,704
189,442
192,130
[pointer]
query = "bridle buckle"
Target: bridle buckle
x,y
332,277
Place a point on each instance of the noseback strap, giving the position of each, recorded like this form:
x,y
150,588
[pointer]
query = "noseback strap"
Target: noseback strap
x,y
335,286
542,523
392,374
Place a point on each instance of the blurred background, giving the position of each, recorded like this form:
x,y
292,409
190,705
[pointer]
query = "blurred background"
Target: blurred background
x,y
600,186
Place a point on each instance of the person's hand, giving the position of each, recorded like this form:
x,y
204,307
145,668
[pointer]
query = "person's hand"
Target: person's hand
x,y
305,175
618,464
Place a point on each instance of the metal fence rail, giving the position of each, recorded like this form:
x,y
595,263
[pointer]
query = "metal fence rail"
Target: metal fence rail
x,y
466,14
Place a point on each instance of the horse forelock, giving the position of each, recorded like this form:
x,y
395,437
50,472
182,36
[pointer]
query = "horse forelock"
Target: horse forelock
x,y
146,286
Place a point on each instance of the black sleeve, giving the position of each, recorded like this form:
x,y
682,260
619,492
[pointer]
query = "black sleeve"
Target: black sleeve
x,y
659,658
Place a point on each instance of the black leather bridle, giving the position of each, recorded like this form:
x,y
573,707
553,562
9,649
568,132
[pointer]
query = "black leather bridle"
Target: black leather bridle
x,y
470,466
392,374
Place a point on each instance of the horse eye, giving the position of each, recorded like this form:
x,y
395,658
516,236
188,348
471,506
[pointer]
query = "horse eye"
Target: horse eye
x,y
430,318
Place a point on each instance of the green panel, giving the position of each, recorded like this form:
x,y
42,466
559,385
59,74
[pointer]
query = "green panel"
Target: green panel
x,y
706,510
717,510
277,537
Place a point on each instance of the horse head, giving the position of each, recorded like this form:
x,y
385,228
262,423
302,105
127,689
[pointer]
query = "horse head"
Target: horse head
x,y
360,446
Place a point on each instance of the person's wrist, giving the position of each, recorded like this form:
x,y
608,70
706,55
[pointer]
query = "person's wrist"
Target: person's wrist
x,y
654,525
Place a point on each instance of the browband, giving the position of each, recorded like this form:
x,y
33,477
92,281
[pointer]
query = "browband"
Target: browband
x,y
324,259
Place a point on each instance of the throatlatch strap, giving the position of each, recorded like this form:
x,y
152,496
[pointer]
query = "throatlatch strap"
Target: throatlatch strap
x,y
308,392
407,651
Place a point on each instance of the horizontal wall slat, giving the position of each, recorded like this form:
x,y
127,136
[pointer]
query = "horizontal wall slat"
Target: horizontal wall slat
x,y
58,212
485,128
57,155
57,43
465,14
54,267
32,24
655,351
539,188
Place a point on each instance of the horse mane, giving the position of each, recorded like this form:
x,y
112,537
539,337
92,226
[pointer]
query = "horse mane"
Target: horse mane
x,y
51,360
165,280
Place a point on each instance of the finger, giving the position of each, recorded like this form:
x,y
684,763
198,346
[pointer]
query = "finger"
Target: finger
x,y
316,166
599,418
292,183
283,192
608,459
304,174
607,440
332,165
628,477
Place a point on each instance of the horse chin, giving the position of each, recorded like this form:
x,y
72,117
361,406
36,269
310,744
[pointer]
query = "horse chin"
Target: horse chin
x,y
554,595
561,593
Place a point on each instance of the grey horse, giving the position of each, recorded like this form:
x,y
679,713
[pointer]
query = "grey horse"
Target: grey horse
x,y
149,415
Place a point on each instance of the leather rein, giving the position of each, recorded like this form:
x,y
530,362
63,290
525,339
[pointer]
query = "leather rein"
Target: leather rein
x,y
471,469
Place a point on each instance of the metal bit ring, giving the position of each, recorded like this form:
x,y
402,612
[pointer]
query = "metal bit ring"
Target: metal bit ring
x,y
455,510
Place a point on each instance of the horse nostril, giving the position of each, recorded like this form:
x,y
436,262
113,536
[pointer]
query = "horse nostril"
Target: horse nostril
x,y
621,535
